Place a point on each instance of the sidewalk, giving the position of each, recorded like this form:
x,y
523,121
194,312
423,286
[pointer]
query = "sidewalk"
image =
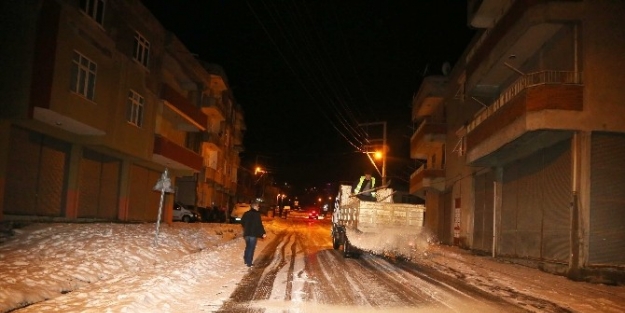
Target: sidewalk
x,y
523,285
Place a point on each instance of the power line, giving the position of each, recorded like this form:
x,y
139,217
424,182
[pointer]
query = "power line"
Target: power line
x,y
307,60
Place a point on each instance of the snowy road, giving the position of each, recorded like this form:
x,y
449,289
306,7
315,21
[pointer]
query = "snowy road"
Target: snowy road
x,y
300,271
114,267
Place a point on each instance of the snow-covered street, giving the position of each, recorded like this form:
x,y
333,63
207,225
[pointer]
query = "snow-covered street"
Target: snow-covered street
x,y
110,267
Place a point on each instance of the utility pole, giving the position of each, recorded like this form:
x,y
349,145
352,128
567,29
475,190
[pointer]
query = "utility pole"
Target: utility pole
x,y
262,179
384,154
384,149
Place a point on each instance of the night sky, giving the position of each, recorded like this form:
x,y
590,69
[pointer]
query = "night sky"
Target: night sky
x,y
308,72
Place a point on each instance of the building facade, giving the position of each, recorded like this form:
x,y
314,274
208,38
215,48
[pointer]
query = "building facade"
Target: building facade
x,y
99,100
534,114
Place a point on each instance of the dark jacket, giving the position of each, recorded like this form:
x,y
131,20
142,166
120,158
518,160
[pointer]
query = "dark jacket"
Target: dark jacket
x,y
252,224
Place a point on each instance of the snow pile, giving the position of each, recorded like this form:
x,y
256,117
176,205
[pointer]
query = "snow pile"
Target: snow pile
x,y
404,242
44,261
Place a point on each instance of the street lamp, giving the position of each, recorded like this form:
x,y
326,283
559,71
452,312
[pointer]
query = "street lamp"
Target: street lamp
x,y
280,197
378,154
258,170
260,181
384,152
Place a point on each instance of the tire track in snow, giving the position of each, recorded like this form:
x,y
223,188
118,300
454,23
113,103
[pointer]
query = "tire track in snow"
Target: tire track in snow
x,y
275,263
522,302
435,291
299,271
257,284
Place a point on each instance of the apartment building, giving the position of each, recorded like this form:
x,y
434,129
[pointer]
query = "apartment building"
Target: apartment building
x,y
534,152
99,100
428,145
221,143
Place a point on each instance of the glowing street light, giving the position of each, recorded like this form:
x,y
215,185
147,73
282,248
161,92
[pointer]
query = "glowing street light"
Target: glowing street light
x,y
280,196
378,154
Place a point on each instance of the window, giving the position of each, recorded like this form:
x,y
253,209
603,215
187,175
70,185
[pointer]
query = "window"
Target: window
x,y
193,141
93,8
141,51
83,76
134,111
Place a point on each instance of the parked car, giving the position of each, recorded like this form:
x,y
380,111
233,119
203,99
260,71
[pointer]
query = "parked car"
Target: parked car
x,y
212,214
238,210
185,213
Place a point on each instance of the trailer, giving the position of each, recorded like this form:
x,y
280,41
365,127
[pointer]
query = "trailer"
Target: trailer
x,y
380,227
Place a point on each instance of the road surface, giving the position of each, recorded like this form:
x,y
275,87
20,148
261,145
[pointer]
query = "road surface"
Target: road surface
x,y
298,271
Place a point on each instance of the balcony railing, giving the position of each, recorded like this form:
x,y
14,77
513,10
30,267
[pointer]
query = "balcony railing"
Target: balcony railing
x,y
214,103
428,127
428,176
209,175
424,140
183,106
219,180
426,167
175,152
487,32
212,137
524,82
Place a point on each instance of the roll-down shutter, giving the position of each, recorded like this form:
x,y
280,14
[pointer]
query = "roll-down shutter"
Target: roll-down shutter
x,y
535,213
607,200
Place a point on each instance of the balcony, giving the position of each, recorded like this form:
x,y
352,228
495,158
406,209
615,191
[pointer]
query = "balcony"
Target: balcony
x,y
427,139
216,179
171,155
429,98
535,103
214,108
427,178
69,123
209,175
219,181
194,119
516,34
484,13
214,139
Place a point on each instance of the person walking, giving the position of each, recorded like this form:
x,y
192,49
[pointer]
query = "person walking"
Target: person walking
x,y
252,230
